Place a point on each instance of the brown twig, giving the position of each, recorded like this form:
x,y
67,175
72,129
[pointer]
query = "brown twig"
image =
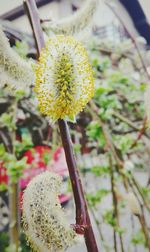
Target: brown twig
x,y
126,120
32,13
115,206
14,225
135,183
141,217
13,208
145,231
141,131
83,224
106,133
140,134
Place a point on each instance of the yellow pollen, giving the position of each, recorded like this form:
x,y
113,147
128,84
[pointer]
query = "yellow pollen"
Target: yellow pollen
x,y
64,78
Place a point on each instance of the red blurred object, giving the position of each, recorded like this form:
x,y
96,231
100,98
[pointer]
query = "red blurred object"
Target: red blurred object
x,y
3,174
59,162
36,163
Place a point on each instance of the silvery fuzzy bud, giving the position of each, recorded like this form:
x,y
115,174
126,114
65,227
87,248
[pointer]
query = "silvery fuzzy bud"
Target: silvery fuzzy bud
x,y
15,71
44,220
77,22
133,203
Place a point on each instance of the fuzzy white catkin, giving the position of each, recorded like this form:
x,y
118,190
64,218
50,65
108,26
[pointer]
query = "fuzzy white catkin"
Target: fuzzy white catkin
x,y
15,71
44,220
133,203
77,22
147,104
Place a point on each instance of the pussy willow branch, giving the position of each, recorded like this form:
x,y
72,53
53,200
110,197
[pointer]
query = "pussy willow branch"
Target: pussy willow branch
x,y
120,169
92,208
83,224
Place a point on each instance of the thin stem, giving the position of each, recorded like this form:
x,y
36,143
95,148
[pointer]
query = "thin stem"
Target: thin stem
x,y
83,223
13,196
141,218
115,205
32,13
126,120
82,216
133,230
140,192
13,207
74,175
132,125
94,110
145,231
141,132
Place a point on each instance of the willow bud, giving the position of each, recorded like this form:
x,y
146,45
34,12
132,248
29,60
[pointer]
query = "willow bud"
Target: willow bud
x,y
77,22
133,203
44,220
15,72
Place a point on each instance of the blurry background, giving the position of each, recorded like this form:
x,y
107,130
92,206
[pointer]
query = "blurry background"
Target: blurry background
x,y
56,9
122,75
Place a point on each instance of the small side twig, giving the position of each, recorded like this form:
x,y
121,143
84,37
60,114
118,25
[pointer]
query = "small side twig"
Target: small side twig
x,y
141,132
115,205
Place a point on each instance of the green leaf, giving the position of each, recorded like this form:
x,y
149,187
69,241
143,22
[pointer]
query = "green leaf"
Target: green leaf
x,y
2,150
138,238
77,148
100,170
23,145
95,198
3,187
6,120
109,218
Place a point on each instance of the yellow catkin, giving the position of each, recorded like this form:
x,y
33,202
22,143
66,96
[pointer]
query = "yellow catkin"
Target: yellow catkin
x,y
64,78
